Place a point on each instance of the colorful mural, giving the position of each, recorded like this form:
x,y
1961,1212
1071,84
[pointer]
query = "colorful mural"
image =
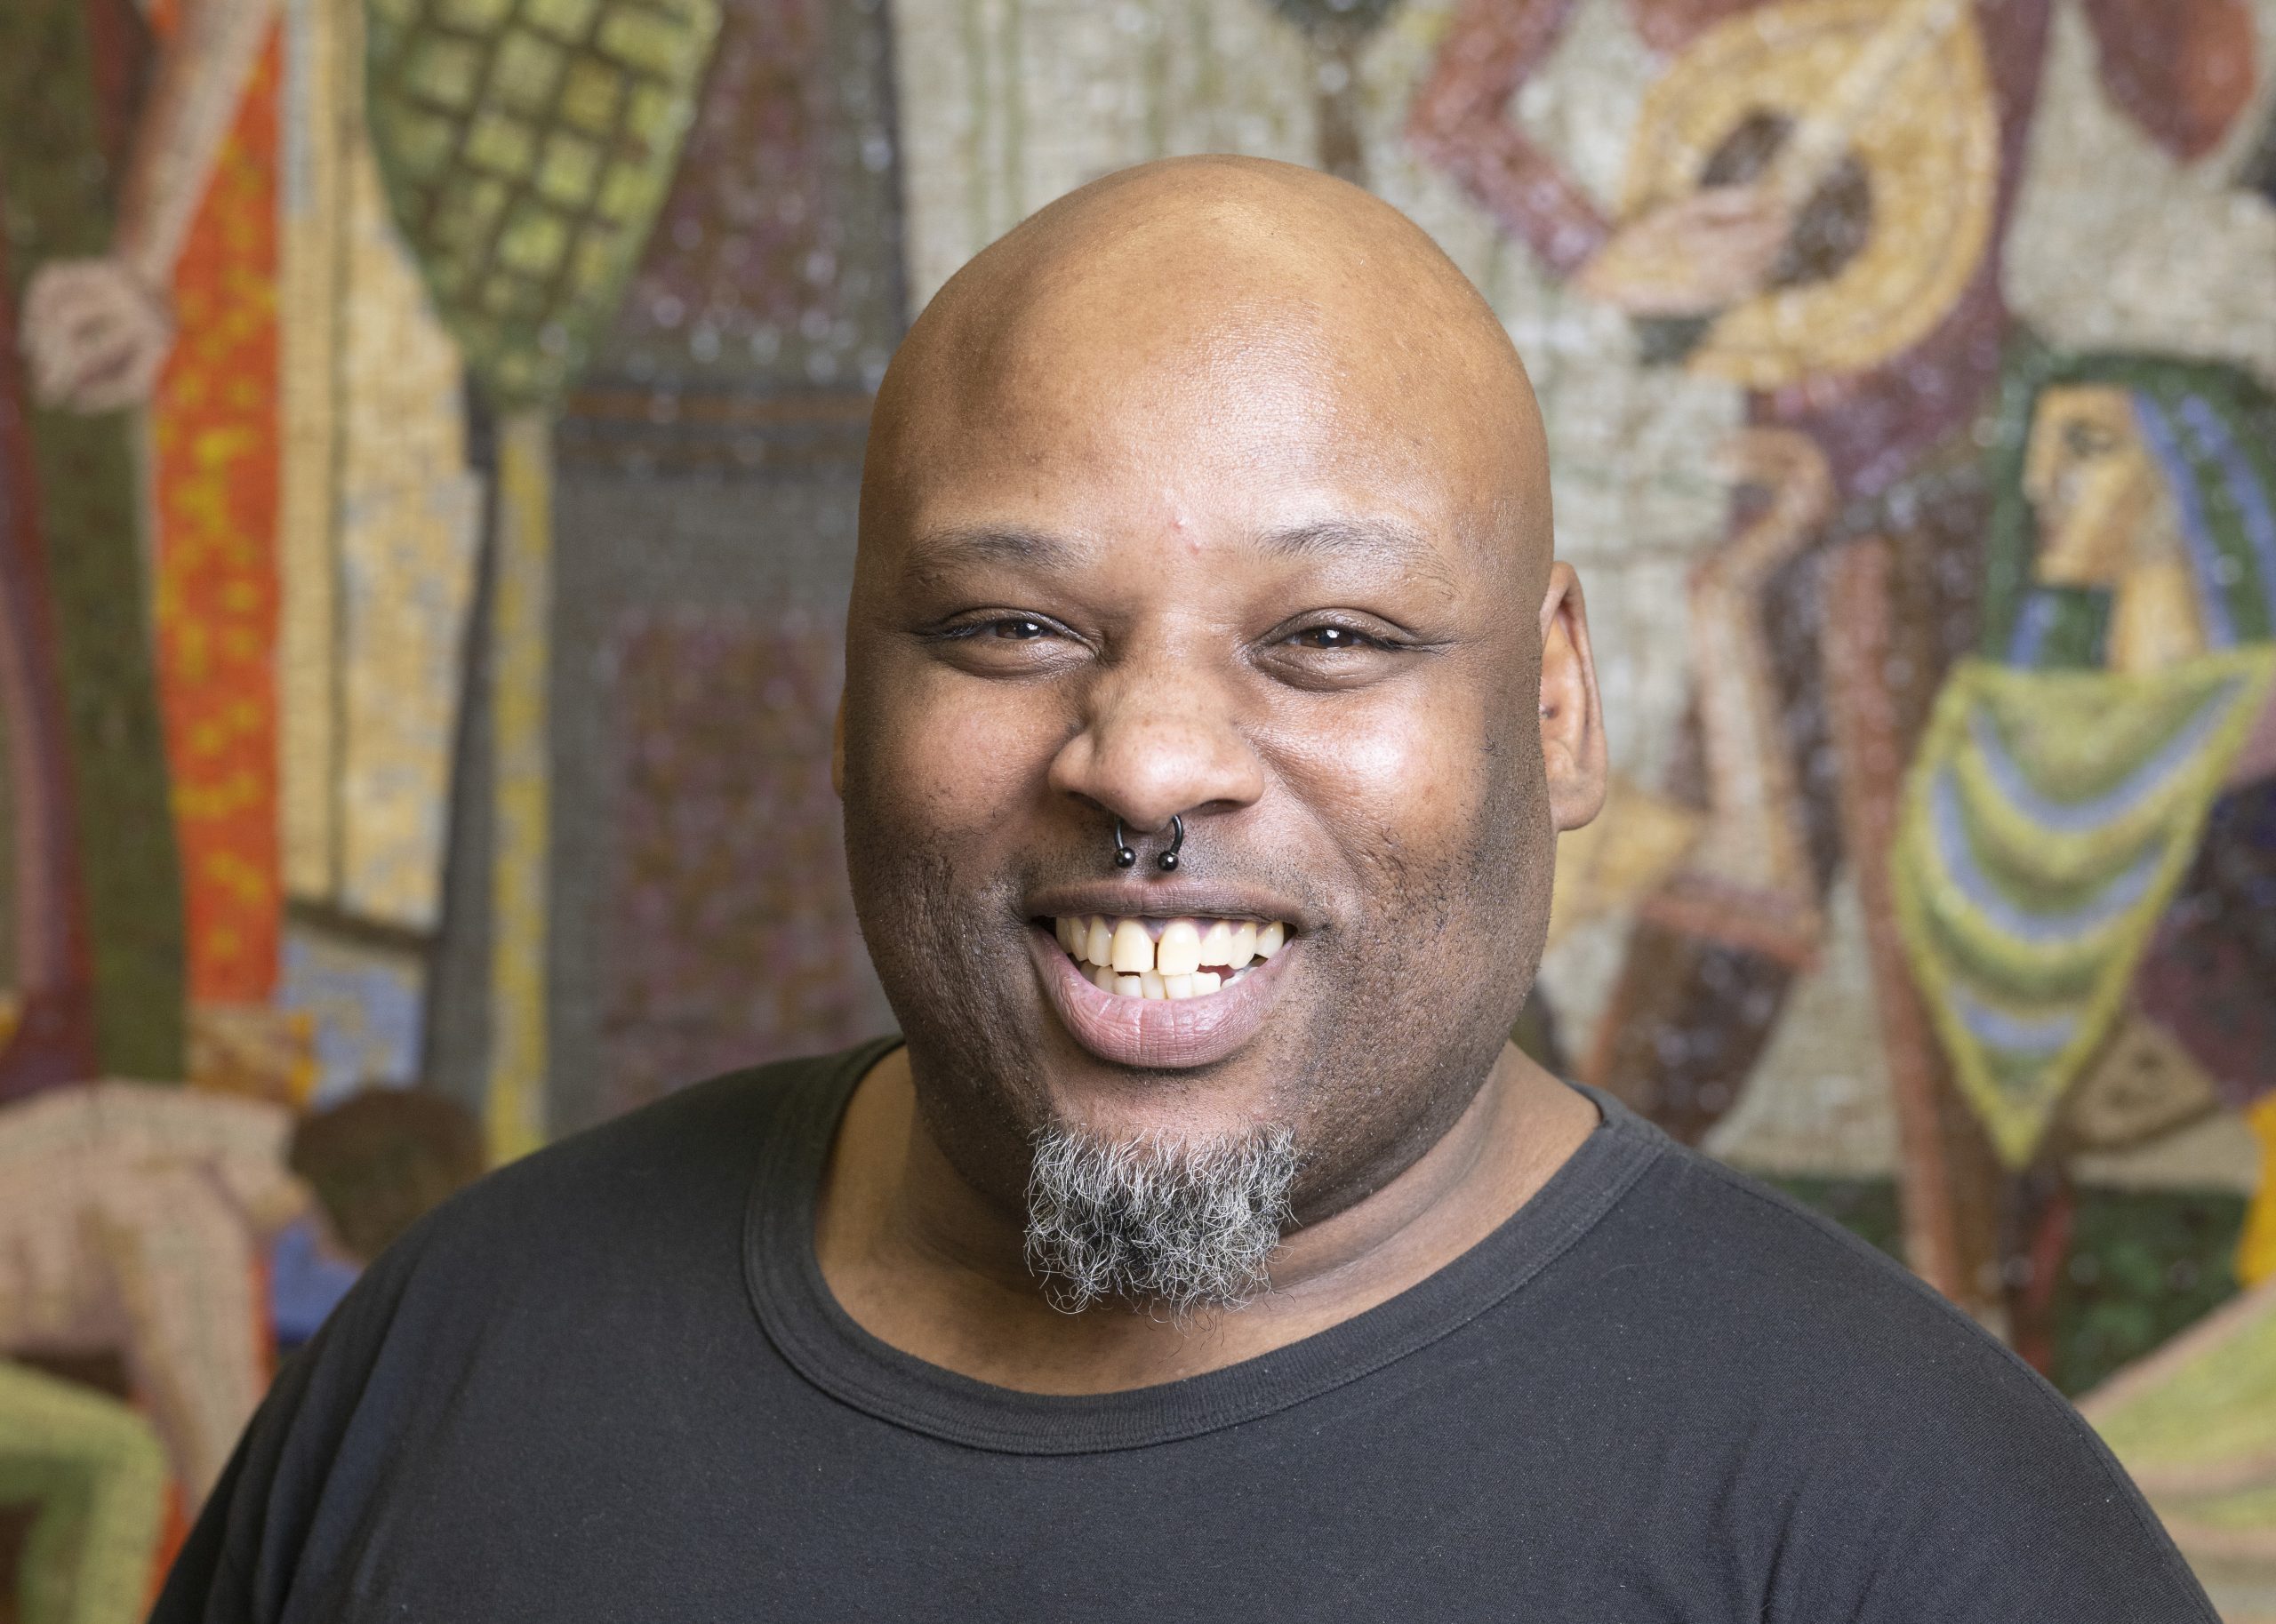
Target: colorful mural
x,y
429,432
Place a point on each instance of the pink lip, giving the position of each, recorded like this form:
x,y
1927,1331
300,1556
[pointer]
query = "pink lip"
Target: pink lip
x,y
1155,1033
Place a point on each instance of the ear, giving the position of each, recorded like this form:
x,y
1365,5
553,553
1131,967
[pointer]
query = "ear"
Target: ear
x,y
838,749
1572,718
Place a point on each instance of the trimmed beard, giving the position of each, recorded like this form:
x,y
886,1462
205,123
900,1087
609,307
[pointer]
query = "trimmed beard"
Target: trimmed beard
x,y
1156,1221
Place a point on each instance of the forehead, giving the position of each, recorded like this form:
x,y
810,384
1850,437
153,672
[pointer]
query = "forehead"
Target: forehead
x,y
1244,422
2104,407
2080,431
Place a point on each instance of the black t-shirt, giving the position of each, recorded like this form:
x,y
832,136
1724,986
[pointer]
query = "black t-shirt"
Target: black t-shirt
x,y
609,1383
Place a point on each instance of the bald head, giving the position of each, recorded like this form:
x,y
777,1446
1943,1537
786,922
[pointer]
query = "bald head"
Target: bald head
x,y
1211,500
1272,307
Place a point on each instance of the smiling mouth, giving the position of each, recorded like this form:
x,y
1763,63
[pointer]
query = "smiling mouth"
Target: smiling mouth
x,y
1189,957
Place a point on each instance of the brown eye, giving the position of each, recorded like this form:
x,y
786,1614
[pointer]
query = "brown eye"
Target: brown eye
x,y
1036,644
1335,639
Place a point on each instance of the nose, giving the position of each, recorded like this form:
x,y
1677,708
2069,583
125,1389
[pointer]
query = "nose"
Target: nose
x,y
1159,738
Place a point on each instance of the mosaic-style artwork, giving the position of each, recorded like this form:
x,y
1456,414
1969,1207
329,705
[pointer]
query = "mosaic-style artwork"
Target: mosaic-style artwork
x,y
526,147
732,940
157,1241
2193,1424
2063,788
525,150
429,432
214,459
756,262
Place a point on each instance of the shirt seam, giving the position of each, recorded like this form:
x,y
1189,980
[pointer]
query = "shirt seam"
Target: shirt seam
x,y
820,1357
874,1401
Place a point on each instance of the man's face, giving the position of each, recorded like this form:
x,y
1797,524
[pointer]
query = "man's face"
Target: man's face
x,y
1227,574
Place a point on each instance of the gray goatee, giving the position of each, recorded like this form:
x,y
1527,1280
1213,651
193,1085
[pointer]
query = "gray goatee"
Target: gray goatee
x,y
1156,1221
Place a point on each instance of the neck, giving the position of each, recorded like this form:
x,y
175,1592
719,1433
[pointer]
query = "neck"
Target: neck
x,y
2153,618
924,1262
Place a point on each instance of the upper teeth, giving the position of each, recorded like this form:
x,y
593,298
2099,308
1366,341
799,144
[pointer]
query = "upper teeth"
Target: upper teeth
x,y
1165,958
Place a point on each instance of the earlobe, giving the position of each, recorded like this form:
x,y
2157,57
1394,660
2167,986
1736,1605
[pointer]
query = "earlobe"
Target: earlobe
x,y
1572,723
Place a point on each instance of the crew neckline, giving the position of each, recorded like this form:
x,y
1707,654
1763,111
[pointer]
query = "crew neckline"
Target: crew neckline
x,y
804,1320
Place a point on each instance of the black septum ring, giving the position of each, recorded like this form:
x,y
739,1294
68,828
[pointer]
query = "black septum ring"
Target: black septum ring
x,y
1125,858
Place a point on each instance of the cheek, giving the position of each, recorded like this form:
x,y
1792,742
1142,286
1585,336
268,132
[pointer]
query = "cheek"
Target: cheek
x,y
1412,778
937,750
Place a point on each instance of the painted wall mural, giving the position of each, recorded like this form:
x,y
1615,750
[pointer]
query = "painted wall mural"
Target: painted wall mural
x,y
429,432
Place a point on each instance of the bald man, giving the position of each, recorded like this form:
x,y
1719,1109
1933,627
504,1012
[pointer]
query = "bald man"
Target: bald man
x,y
1201,1248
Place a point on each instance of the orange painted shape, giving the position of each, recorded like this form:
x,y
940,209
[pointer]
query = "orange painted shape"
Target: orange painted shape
x,y
2256,1246
172,1535
219,444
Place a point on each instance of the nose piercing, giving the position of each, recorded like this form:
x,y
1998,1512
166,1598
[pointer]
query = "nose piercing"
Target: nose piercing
x,y
1125,858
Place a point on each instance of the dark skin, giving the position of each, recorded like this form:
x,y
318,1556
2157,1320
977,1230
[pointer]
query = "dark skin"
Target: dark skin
x,y
1214,489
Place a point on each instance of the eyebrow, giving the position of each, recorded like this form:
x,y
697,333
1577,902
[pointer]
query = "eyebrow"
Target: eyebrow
x,y
1402,543
1406,547
946,549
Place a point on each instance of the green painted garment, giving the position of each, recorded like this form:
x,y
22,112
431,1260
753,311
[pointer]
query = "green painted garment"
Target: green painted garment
x,y
94,1476
2054,807
2195,1425
526,147
55,203
2048,821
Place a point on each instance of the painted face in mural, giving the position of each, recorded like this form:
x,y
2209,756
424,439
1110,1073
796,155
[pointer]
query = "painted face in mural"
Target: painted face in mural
x,y
2091,481
2107,520
1212,493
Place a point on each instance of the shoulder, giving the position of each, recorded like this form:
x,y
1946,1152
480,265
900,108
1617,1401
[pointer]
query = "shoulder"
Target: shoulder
x,y
589,1226
1726,1249
685,1161
1880,1418
1757,1279
562,1273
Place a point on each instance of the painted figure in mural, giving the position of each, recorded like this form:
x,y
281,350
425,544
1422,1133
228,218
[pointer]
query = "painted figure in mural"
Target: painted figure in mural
x,y
2088,850
171,1232
1816,198
280,694
123,756
86,1477
83,730
135,1218
2195,1422
1213,704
